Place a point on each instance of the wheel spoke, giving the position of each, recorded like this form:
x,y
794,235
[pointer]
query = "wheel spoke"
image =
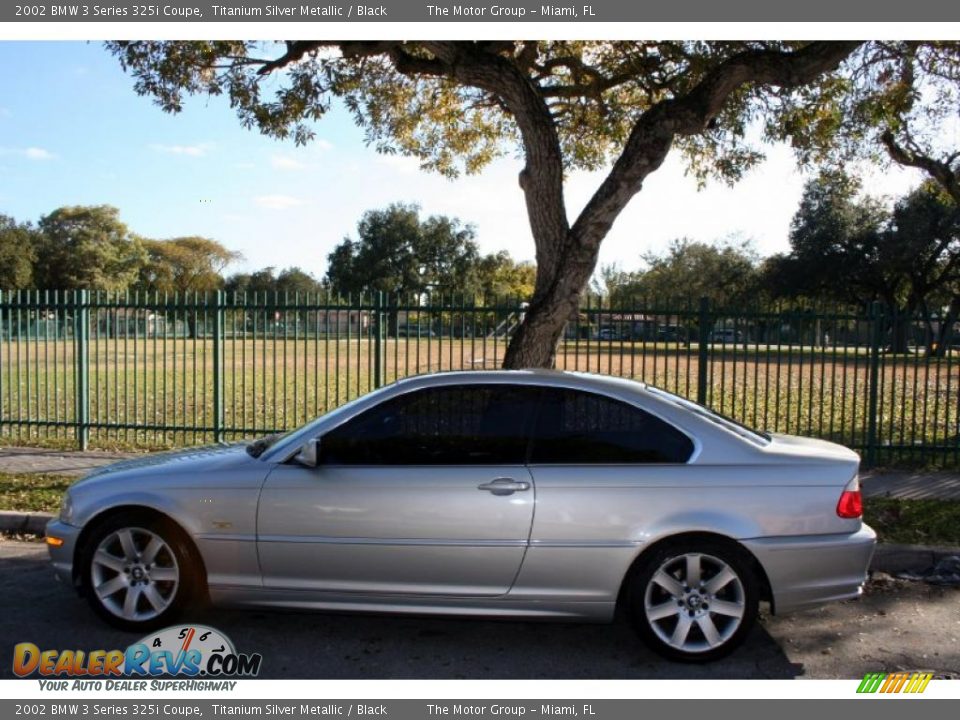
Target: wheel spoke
x,y
724,607
163,574
153,597
102,557
153,547
111,586
130,602
664,610
669,583
720,580
679,637
126,542
709,630
693,570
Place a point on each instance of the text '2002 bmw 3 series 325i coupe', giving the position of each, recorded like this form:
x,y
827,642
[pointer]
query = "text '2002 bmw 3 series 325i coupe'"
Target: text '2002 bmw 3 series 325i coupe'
x,y
525,494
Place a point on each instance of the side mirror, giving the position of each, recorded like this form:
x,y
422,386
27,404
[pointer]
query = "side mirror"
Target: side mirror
x,y
309,454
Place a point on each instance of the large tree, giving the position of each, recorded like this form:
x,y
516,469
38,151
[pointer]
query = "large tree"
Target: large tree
x,y
563,105
397,252
18,251
186,264
87,248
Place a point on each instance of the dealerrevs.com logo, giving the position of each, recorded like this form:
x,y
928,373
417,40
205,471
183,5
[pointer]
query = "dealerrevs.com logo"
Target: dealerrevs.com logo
x,y
192,651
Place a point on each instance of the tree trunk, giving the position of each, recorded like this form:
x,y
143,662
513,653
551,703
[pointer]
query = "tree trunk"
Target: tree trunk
x,y
945,333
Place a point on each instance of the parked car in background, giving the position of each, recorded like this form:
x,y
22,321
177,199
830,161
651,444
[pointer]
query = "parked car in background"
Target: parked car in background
x,y
524,494
726,335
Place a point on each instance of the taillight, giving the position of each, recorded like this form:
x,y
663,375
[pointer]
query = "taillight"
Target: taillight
x,y
850,504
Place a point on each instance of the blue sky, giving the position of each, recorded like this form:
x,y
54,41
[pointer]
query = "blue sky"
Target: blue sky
x,y
73,132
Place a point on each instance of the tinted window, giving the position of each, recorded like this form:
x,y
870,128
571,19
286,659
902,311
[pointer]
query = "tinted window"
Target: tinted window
x,y
471,425
579,427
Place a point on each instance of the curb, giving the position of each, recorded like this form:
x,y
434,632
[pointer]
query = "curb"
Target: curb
x,y
32,523
888,557
892,558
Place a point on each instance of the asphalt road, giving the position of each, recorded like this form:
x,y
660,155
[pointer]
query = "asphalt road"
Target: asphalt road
x,y
896,626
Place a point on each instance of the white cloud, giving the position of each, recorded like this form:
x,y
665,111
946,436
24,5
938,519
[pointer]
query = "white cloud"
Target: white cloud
x,y
285,162
277,202
198,150
31,153
321,144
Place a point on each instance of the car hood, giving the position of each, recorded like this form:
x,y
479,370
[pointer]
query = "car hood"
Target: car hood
x,y
194,462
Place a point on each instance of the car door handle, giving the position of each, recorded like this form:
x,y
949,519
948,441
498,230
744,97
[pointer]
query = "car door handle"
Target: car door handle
x,y
504,486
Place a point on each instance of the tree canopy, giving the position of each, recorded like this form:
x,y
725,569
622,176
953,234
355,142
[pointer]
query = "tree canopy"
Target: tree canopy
x,y
561,105
187,264
397,252
18,252
87,247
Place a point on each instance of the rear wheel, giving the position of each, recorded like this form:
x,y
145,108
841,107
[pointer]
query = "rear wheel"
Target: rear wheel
x,y
695,600
138,571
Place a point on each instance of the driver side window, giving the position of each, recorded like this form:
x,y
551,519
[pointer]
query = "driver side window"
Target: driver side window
x,y
453,425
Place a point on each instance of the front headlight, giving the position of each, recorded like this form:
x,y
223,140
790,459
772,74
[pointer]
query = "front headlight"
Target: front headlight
x,y
66,509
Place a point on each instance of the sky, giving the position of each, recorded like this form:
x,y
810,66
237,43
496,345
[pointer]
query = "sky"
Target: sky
x,y
73,132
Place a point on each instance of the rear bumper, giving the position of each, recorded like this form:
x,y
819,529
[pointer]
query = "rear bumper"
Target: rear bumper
x,y
809,570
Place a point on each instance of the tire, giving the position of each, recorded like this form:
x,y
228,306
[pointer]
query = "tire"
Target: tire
x,y
699,621
139,571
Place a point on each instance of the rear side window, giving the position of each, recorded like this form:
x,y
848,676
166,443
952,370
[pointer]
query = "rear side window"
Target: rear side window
x,y
454,425
574,427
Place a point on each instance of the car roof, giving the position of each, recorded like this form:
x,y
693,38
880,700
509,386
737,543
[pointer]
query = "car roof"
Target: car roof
x,y
533,376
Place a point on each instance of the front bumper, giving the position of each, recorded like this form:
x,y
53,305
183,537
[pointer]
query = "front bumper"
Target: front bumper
x,y
62,556
809,570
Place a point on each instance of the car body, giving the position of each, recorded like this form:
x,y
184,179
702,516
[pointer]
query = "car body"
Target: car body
x,y
525,494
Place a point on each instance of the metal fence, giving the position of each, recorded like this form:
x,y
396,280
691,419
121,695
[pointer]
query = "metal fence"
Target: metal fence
x,y
152,370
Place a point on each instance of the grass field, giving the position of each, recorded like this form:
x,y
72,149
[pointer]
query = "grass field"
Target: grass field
x,y
156,393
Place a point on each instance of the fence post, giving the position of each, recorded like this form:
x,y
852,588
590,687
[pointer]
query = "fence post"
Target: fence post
x,y
702,334
218,367
81,345
876,337
378,340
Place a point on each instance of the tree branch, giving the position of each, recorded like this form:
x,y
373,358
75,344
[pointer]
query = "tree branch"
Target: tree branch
x,y
940,171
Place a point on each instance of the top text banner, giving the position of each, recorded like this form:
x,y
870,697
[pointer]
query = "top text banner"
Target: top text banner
x,y
199,11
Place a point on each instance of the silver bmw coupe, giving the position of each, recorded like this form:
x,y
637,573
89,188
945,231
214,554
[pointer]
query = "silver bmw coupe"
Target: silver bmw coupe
x,y
524,494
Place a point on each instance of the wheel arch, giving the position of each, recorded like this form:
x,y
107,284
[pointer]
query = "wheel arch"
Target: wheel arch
x,y
145,511
766,592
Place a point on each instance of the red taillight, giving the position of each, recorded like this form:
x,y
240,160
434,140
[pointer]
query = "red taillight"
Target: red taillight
x,y
850,504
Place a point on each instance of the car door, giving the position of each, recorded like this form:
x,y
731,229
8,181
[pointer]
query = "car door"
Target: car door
x,y
426,493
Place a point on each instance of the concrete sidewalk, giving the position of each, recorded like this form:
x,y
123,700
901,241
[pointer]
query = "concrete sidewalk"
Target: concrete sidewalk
x,y
876,483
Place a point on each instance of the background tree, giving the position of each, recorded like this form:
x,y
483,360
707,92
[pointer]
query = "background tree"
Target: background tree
x,y
18,252
87,248
851,248
187,264
564,105
290,280
499,275
396,252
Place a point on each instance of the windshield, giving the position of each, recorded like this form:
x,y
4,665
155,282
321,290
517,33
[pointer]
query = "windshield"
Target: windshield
x,y
712,415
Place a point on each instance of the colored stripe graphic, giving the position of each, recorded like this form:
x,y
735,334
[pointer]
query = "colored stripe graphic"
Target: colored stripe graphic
x,y
899,682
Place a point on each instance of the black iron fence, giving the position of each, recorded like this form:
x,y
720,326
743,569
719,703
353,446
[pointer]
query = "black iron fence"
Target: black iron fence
x,y
154,370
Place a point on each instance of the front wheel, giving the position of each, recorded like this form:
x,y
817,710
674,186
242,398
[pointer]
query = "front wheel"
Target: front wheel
x,y
138,571
695,601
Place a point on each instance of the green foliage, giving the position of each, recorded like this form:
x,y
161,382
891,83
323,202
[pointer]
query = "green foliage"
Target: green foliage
x,y
850,247
291,280
406,103
87,248
18,251
397,252
499,275
725,272
187,264
914,522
